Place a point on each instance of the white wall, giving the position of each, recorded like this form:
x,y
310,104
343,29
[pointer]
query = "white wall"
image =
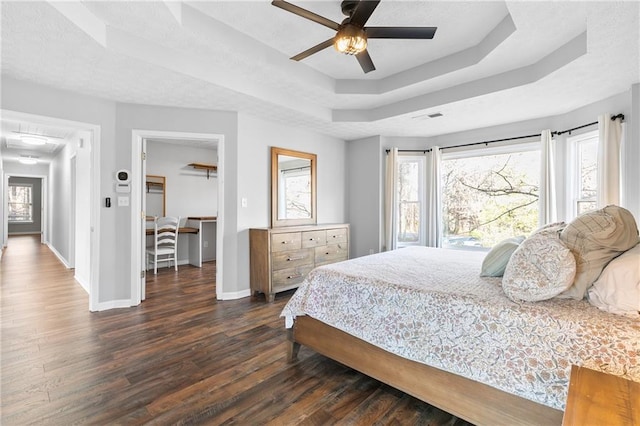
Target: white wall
x,y
255,139
365,194
60,203
188,191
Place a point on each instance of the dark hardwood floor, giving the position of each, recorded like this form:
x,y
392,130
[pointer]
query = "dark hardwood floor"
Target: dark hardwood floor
x,y
181,357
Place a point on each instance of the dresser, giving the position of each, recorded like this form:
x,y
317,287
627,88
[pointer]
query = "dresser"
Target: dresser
x,y
282,257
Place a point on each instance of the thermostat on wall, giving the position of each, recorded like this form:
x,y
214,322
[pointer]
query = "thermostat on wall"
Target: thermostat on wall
x,y
123,177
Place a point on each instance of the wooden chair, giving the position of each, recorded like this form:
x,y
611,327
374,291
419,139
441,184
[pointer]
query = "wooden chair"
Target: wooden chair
x,y
165,242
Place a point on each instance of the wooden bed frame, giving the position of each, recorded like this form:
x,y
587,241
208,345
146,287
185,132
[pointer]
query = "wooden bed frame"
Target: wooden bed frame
x,y
473,401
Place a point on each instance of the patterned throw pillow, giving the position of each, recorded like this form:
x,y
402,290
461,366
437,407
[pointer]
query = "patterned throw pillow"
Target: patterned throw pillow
x,y
541,268
595,238
495,262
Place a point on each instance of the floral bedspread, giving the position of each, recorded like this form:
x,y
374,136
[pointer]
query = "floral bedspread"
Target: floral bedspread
x,y
431,306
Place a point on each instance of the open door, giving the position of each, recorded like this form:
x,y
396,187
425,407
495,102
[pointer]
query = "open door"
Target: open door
x,y
143,219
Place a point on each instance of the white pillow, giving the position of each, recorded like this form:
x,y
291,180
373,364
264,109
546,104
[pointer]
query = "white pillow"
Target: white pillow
x,y
541,268
617,290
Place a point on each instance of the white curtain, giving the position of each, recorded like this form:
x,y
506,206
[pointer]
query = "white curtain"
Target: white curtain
x,y
434,199
547,209
610,139
390,200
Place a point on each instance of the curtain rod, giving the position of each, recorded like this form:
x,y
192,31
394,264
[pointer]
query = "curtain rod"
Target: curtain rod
x,y
613,118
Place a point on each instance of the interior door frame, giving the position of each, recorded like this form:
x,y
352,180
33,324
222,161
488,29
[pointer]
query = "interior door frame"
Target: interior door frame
x,y
138,215
94,130
44,205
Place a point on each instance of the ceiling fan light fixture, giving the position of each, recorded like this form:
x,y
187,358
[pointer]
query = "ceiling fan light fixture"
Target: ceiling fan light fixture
x,y
33,140
350,40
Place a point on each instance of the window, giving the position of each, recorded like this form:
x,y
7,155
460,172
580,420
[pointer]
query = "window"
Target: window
x,y
296,184
410,226
490,196
585,173
20,203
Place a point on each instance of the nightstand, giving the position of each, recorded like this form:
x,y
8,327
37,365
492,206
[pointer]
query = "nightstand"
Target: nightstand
x,y
597,398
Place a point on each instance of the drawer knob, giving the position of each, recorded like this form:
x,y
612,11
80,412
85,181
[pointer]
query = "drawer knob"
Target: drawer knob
x,y
289,259
290,277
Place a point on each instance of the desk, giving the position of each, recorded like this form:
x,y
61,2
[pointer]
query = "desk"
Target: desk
x,y
202,244
182,230
596,398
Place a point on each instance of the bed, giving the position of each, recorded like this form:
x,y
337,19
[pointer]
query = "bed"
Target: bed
x,y
424,321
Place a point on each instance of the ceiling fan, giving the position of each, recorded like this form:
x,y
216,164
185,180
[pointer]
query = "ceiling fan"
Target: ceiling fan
x,y
351,35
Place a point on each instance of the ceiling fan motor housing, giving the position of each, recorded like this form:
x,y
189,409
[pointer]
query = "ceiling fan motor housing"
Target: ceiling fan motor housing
x,y
348,6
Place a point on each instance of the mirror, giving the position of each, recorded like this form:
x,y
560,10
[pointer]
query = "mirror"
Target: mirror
x,y
155,196
293,188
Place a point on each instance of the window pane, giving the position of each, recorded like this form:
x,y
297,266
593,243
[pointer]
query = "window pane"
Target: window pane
x,y
20,208
588,152
410,188
489,198
409,229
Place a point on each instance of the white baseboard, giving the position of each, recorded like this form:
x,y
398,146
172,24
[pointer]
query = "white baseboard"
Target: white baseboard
x,y
114,304
235,295
83,282
59,256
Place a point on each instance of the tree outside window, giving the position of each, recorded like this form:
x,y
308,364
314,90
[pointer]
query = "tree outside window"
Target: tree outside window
x,y
20,203
489,198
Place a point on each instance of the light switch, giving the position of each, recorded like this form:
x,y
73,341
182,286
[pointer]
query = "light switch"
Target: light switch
x,y
244,201
123,201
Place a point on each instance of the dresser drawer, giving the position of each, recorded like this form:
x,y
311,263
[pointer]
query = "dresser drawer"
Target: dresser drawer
x,y
285,242
291,259
314,238
338,235
331,253
288,278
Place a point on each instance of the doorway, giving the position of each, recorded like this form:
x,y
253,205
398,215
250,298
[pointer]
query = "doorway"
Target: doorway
x,y
61,177
140,141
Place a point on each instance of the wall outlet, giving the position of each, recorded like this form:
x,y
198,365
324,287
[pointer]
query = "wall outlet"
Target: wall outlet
x,y
123,201
205,244
370,251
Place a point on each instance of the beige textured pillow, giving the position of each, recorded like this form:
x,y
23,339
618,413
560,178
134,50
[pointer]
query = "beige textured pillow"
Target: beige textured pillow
x,y
595,238
541,268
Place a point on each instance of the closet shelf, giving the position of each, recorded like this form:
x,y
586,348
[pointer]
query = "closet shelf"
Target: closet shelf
x,y
208,167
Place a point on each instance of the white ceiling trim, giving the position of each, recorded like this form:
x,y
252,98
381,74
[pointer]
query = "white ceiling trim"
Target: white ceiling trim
x,y
427,71
496,83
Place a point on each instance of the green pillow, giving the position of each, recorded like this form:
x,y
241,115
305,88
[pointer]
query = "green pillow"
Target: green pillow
x,y
495,262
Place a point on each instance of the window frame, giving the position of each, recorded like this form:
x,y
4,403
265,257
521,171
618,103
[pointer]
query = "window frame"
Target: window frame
x,y
574,180
421,159
9,203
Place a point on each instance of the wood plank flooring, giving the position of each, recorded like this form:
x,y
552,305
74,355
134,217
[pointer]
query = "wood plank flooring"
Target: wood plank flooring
x,y
181,357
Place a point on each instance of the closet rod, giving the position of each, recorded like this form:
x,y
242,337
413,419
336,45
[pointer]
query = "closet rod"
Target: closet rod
x,y
615,117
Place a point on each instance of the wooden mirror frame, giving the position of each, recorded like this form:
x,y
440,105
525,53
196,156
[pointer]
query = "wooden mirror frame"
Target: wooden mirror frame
x,y
157,181
275,222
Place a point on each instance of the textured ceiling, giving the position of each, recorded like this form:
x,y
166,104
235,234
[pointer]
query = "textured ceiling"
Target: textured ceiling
x,y
490,62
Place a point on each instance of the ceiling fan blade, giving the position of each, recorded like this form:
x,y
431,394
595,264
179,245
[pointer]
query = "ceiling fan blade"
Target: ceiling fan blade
x,y
306,14
363,11
314,49
365,61
401,32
